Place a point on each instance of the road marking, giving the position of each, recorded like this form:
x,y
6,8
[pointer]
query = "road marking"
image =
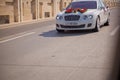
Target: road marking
x,y
27,34
115,31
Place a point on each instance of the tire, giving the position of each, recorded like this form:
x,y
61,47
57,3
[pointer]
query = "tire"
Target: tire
x,y
60,31
107,22
97,26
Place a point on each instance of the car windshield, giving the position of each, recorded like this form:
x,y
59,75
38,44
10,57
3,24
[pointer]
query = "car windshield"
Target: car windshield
x,y
83,4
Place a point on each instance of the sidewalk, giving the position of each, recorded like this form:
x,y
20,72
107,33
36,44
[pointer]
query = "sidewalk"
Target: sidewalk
x,y
17,24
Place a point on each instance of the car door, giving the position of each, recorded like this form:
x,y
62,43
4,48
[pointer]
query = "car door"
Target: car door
x,y
101,12
105,9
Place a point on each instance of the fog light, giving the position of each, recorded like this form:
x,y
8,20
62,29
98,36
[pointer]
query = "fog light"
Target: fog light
x,y
89,25
57,25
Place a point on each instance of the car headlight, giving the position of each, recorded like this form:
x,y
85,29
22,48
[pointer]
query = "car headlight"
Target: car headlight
x,y
88,17
59,17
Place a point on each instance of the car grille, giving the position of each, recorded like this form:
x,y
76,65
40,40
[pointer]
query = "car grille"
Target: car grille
x,y
79,26
72,18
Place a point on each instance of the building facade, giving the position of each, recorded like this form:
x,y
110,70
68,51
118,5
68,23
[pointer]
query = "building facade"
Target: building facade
x,y
27,10
6,11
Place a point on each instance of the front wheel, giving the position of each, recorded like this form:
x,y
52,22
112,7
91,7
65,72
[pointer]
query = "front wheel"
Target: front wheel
x,y
97,26
107,22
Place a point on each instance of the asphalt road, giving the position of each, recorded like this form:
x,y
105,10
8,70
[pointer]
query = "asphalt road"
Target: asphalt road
x,y
37,52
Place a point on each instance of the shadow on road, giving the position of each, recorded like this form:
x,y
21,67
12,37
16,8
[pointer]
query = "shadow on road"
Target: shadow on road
x,y
54,33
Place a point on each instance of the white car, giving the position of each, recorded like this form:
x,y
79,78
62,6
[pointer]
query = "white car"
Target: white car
x,y
83,15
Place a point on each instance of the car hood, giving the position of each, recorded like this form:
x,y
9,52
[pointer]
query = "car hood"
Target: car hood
x,y
90,11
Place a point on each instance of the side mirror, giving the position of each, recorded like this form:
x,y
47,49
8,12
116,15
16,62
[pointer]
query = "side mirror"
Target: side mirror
x,y
101,8
107,7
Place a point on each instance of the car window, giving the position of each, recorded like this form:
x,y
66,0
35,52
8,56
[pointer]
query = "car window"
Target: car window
x,y
99,4
83,4
102,4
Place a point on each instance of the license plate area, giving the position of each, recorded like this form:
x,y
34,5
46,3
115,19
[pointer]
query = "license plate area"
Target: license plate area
x,y
71,23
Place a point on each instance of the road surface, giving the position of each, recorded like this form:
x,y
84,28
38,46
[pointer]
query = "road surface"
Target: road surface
x,y
37,52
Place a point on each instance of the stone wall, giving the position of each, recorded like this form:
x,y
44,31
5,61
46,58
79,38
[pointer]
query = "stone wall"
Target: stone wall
x,y
6,11
26,10
112,3
44,9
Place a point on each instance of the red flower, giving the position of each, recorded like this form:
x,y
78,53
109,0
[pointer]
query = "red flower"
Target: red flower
x,y
76,10
83,10
69,10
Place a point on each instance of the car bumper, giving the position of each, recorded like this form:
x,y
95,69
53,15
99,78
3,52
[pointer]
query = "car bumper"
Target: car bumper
x,y
75,25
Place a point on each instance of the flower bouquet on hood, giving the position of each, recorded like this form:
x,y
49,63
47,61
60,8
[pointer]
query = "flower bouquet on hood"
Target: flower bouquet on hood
x,y
81,10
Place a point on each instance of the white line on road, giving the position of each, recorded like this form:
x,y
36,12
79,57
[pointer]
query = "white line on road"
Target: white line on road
x,y
115,31
17,37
